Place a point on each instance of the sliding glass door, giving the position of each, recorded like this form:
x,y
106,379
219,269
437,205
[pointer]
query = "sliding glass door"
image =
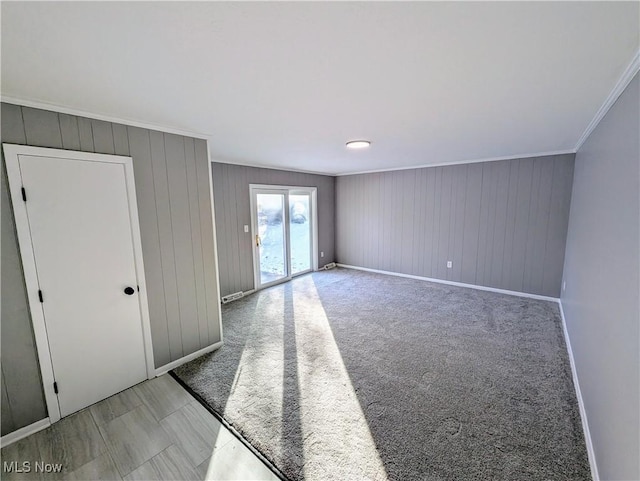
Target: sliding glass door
x,y
283,233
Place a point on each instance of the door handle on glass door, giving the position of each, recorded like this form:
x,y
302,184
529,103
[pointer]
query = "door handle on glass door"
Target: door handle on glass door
x,y
258,241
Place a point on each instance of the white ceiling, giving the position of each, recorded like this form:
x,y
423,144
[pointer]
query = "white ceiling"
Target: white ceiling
x,y
287,84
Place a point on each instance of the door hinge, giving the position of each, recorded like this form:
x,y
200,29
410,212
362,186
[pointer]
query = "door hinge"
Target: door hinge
x,y
55,387
40,296
24,194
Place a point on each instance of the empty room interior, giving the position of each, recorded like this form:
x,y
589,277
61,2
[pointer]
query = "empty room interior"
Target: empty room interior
x,y
320,241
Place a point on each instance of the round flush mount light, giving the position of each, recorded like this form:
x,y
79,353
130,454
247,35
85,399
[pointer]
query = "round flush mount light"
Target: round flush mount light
x,y
358,144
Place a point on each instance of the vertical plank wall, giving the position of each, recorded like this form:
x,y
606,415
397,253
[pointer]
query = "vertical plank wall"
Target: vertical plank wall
x,y
231,195
503,224
176,225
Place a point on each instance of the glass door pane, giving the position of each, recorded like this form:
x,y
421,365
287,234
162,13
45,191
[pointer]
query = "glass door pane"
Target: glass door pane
x,y
271,237
300,232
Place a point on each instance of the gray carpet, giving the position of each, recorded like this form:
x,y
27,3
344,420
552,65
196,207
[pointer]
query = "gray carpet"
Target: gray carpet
x,y
350,375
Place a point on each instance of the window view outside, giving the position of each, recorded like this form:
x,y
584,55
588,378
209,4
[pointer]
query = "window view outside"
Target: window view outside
x,y
271,231
300,221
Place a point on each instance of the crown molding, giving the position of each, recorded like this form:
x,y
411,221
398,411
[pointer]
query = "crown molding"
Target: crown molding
x,y
37,104
632,69
269,167
624,80
460,162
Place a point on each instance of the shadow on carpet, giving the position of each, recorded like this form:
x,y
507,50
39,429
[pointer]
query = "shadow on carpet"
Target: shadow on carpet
x,y
353,375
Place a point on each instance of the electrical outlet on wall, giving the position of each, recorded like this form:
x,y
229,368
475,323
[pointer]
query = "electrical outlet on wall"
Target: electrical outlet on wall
x,y
246,228
321,253
449,264
564,286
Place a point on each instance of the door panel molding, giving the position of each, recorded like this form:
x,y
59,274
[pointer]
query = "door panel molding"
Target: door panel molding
x,y
12,153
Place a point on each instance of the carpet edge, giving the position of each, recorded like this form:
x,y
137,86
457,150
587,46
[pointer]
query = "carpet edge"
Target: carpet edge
x,y
229,427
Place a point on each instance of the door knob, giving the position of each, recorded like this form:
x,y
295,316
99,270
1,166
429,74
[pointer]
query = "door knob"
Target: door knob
x,y
129,291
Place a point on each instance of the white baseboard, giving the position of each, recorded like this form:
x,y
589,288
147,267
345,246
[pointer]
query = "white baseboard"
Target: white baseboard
x,y
583,413
179,362
453,283
22,433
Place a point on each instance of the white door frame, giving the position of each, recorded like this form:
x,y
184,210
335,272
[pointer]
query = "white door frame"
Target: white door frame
x,y
11,154
313,191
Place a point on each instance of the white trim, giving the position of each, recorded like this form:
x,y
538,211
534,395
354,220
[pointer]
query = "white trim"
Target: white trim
x,y
583,413
254,222
139,264
37,104
393,169
452,283
254,190
315,247
282,187
215,243
618,88
11,153
190,357
22,433
460,162
269,167
199,135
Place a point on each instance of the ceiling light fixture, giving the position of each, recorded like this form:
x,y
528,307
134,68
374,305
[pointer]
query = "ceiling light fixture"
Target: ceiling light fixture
x,y
358,144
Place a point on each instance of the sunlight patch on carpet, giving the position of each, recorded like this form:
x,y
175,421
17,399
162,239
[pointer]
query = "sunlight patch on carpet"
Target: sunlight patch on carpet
x,y
262,359
324,381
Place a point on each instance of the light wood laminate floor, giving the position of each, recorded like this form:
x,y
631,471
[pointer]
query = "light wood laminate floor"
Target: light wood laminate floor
x,y
153,431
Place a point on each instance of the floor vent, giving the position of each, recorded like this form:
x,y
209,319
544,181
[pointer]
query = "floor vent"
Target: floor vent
x,y
232,297
328,266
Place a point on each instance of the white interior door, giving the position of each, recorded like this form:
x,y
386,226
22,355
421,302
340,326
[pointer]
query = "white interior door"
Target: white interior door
x,y
80,226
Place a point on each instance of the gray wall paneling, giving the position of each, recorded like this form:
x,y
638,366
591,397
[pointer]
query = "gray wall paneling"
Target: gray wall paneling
x,y
232,212
102,137
85,131
196,241
20,368
176,224
601,301
167,257
502,224
140,149
70,132
8,425
182,234
203,170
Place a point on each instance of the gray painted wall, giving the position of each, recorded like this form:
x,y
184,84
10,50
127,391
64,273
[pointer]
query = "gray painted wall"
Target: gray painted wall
x,y
231,195
176,224
602,298
502,224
